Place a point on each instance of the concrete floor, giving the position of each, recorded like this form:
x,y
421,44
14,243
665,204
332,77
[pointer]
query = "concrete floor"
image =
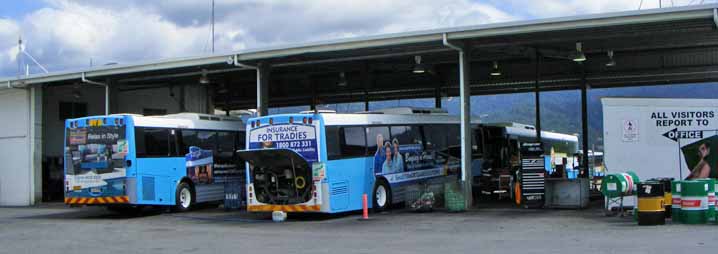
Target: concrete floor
x,y
57,229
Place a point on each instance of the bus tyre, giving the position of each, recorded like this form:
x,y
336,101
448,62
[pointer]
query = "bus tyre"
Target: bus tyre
x,y
184,198
381,196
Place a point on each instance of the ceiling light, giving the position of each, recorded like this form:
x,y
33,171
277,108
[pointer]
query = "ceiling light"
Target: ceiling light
x,y
342,79
610,62
495,69
579,56
419,68
204,79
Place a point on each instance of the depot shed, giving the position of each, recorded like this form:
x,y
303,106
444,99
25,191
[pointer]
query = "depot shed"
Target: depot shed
x,y
647,47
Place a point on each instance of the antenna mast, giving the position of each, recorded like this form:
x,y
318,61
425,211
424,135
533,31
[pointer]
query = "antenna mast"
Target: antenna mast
x,y
21,52
212,25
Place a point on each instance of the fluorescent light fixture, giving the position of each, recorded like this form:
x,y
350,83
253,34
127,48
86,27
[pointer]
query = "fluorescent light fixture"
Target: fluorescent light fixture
x,y
610,62
342,79
495,69
419,68
204,79
579,55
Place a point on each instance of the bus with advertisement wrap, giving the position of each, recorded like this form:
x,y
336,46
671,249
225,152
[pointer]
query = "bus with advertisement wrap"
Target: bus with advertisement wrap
x,y
325,162
125,160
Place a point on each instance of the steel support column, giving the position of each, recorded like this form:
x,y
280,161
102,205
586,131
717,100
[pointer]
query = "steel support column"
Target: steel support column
x,y
466,135
537,92
263,71
584,126
437,97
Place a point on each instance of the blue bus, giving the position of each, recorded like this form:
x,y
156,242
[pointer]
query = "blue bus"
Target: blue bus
x,y
325,162
131,160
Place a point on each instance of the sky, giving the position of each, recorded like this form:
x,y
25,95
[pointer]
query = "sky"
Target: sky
x,y
71,34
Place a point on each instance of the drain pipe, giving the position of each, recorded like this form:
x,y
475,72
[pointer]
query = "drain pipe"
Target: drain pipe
x,y
465,92
107,91
235,62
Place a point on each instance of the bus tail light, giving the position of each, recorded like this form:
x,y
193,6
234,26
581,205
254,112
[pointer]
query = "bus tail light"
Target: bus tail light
x,y
291,120
304,120
271,121
252,124
310,120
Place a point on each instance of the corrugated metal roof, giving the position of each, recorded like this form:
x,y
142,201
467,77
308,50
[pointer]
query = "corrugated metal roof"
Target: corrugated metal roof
x,y
397,39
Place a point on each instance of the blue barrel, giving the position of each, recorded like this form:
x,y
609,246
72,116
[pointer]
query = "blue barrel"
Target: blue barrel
x,y
233,195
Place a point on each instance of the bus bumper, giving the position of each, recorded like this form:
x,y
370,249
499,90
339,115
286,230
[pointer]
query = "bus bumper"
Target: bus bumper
x,y
284,208
97,200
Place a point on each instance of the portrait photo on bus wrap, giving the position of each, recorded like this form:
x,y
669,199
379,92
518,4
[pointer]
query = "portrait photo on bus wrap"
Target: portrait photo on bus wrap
x,y
401,154
701,158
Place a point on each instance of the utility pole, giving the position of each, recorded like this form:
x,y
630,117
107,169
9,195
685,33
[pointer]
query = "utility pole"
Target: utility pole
x,y
212,25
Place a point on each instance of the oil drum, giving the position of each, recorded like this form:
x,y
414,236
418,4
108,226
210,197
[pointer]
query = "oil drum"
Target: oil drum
x,y
676,201
694,202
651,201
711,213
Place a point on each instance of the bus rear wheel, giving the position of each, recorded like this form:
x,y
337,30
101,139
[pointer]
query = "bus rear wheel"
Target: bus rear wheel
x,y
184,198
381,196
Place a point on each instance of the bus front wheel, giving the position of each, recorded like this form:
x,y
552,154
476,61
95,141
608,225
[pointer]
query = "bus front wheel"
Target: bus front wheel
x,y
382,195
184,198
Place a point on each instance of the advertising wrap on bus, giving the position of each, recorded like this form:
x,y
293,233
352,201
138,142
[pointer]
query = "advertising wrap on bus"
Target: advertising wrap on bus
x,y
400,163
94,161
300,138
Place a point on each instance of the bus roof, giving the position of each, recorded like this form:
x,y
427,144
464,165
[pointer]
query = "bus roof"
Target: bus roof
x,y
182,120
525,132
379,119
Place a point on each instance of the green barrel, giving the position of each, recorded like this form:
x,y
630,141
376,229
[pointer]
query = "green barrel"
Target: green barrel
x,y
711,213
619,184
676,200
651,203
694,202
453,197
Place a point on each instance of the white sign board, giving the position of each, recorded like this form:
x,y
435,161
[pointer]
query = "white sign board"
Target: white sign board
x,y
630,131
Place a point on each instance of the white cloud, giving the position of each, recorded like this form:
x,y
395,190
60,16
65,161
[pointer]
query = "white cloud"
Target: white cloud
x,y
67,33
8,48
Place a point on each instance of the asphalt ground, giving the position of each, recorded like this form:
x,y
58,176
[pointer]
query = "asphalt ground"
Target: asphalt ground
x,y
55,228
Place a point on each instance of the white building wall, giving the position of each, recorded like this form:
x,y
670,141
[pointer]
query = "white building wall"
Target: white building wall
x,y
16,177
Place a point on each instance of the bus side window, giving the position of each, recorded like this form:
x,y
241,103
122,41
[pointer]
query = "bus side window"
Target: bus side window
x,y
225,145
202,139
353,142
406,135
332,135
435,137
152,142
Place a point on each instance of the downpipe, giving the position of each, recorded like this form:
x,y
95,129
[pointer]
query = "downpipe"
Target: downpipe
x,y
107,91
